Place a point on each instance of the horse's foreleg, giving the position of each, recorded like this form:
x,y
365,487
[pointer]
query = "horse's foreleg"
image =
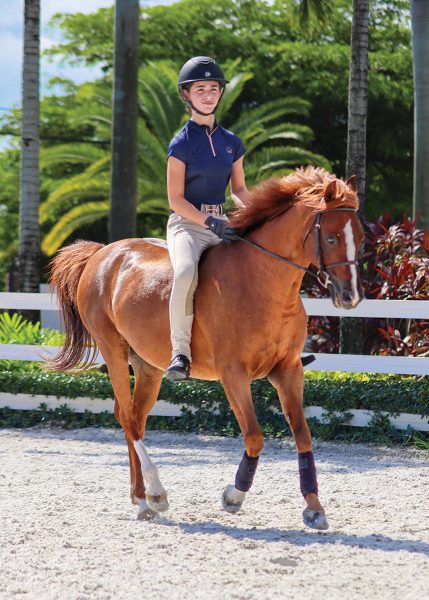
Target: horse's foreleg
x,y
237,389
288,379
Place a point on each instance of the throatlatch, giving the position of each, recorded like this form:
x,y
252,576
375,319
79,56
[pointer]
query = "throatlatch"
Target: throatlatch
x,y
246,472
307,473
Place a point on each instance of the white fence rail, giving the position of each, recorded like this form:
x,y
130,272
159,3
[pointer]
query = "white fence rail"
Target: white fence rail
x,y
403,309
359,417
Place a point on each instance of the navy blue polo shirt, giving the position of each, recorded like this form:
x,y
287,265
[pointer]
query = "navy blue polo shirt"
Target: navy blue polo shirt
x,y
208,158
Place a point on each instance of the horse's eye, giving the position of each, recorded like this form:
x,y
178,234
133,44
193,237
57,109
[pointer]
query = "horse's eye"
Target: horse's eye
x,y
331,239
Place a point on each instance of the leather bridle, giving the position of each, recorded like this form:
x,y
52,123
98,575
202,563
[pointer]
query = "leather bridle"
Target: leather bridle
x,y
321,275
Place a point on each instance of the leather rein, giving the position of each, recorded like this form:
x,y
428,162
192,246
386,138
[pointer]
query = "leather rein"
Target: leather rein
x,y
321,275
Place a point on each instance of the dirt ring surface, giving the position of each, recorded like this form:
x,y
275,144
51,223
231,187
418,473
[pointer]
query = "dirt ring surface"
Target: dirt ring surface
x,y
68,530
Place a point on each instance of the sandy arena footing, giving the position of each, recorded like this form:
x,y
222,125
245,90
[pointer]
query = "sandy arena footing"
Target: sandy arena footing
x,y
69,531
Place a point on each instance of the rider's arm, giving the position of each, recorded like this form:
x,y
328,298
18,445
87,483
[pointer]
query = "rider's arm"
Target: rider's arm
x,y
176,188
239,191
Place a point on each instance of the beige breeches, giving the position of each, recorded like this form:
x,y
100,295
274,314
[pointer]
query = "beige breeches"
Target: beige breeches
x,y
186,242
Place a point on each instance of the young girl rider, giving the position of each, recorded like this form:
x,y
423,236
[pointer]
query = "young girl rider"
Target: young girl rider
x,y
202,159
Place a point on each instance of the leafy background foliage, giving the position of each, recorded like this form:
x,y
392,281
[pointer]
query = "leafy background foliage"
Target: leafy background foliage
x,y
395,266
286,62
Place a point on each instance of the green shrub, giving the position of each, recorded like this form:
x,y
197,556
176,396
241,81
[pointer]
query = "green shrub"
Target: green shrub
x,y
333,391
337,393
14,329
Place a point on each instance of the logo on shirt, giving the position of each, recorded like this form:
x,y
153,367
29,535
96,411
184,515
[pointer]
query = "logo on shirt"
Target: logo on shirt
x,y
207,74
229,149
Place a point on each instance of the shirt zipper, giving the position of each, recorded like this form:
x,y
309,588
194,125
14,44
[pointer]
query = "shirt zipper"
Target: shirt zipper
x,y
209,135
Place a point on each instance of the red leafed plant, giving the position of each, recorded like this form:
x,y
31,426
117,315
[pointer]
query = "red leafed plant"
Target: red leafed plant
x,y
395,266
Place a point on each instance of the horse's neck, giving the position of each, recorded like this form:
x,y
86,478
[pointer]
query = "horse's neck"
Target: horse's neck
x,y
284,235
273,282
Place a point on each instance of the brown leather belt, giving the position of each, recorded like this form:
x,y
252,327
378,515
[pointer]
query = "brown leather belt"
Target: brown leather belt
x,y
210,209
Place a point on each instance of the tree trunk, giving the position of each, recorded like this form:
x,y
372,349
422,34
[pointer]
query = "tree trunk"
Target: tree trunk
x,y
351,330
420,37
122,219
29,235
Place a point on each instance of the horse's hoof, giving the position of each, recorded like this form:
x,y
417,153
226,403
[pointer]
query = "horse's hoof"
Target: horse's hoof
x,y
158,503
315,519
147,514
232,505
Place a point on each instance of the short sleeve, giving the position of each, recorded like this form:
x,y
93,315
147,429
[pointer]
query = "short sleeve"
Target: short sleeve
x,y
178,148
239,149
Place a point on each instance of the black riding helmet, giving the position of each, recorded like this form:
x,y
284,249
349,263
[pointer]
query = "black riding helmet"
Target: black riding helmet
x,y
200,68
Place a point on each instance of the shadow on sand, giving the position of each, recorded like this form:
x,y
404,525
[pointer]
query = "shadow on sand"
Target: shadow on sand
x,y
302,537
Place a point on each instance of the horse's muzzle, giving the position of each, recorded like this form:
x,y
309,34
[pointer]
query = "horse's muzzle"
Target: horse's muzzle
x,y
343,296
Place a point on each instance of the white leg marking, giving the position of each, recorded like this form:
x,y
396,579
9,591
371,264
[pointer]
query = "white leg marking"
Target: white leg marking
x,y
351,255
144,512
149,471
232,499
142,504
236,496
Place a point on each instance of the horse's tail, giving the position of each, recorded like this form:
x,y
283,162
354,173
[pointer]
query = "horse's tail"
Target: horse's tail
x,y
66,270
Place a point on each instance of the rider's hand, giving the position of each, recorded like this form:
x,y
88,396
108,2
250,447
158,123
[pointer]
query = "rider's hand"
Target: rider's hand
x,y
222,229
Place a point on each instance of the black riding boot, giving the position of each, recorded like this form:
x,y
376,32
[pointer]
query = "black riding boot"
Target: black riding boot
x,y
179,368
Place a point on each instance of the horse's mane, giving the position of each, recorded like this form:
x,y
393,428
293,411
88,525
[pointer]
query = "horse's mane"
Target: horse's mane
x,y
275,196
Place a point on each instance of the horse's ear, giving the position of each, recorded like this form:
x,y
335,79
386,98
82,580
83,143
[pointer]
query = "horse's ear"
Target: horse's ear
x,y
330,191
351,183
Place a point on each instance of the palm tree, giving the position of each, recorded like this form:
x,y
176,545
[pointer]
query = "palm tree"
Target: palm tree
x,y
83,198
358,99
351,329
420,38
29,237
122,221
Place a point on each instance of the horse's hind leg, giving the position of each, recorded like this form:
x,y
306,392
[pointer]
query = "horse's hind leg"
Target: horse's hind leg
x,y
115,352
288,379
146,389
137,493
237,389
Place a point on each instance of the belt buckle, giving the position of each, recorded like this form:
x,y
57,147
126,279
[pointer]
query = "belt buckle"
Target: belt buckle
x,y
212,209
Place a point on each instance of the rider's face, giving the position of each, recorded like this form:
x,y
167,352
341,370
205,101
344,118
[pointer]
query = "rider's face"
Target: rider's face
x,y
204,95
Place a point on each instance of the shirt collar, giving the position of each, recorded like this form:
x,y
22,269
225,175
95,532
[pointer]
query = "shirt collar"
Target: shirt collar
x,y
202,128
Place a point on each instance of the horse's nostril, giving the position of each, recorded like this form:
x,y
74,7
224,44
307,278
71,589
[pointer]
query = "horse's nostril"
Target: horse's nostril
x,y
346,297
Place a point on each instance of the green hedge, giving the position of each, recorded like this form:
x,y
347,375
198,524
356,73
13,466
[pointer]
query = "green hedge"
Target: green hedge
x,y
334,392
337,393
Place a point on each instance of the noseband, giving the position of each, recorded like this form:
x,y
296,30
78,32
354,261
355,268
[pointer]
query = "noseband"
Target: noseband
x,y
321,274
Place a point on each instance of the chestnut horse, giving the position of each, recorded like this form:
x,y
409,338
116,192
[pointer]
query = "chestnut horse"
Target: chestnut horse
x,y
249,318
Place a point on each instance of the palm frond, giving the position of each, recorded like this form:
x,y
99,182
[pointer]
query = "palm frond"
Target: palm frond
x,y
72,153
268,112
72,220
232,91
152,152
73,190
160,101
264,162
319,9
153,205
285,131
